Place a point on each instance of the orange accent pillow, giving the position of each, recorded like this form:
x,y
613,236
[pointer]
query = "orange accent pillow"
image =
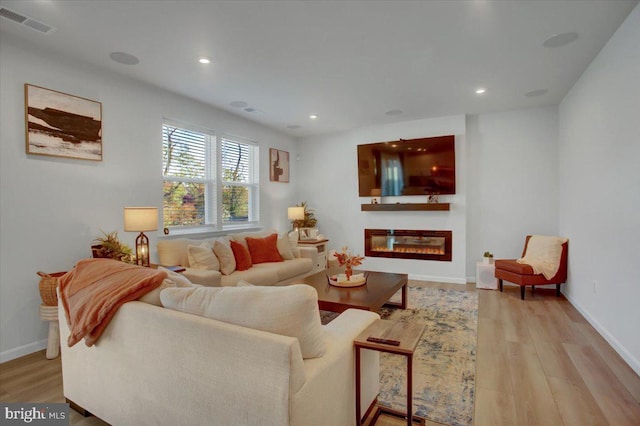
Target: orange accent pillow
x,y
242,256
264,249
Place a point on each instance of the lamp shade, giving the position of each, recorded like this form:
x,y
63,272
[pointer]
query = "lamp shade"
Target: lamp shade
x,y
295,213
140,219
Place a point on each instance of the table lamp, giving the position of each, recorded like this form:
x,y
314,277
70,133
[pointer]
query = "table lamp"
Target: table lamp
x,y
295,214
140,219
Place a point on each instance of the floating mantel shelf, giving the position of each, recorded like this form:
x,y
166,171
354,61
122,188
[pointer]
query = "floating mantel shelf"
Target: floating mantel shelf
x,y
404,206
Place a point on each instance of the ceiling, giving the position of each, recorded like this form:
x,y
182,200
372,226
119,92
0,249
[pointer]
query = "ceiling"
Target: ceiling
x,y
352,63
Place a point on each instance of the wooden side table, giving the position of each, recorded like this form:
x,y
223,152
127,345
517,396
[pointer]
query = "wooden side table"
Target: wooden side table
x,y
400,338
50,313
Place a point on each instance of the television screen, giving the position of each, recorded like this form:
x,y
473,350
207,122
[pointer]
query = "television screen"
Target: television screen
x,y
407,167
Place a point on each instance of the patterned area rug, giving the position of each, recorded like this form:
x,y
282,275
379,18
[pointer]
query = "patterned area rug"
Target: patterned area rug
x,y
444,363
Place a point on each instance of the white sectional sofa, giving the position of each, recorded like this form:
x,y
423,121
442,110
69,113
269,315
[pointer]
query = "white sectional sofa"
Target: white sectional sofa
x,y
174,252
157,366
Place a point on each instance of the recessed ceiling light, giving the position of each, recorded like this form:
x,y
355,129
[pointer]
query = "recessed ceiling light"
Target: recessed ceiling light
x,y
239,104
480,91
537,92
394,112
560,39
124,58
204,60
313,116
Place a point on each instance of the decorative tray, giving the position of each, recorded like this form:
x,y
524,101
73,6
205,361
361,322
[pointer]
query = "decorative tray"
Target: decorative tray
x,y
354,282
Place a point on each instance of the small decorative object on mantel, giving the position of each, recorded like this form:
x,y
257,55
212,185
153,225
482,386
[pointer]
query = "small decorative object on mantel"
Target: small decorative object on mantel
x,y
376,194
348,260
433,198
487,257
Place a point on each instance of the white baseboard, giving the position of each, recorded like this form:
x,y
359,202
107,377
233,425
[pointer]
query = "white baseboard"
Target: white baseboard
x,y
633,362
438,279
23,350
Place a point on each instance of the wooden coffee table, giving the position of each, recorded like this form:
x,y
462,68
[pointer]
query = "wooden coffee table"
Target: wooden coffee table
x,y
370,297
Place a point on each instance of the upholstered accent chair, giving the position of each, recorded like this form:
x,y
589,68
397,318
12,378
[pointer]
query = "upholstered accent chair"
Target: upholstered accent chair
x,y
524,275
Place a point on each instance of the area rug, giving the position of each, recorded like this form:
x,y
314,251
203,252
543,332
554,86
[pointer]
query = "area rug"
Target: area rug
x,y
444,362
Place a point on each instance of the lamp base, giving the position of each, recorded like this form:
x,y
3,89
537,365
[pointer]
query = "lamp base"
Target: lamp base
x,y
142,250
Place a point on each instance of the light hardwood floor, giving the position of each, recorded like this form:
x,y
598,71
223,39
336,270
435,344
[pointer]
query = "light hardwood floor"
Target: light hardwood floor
x,y
539,362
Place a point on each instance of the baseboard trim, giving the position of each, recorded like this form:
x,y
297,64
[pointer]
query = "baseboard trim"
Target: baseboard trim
x,y
23,350
633,362
438,279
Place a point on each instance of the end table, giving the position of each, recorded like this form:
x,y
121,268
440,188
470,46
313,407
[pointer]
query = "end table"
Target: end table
x,y
395,337
321,246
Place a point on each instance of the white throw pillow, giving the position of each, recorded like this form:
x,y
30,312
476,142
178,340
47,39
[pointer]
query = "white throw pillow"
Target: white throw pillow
x,y
284,247
225,256
293,243
202,257
289,311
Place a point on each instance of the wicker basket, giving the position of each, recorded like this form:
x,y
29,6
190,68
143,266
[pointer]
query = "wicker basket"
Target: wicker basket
x,y
48,284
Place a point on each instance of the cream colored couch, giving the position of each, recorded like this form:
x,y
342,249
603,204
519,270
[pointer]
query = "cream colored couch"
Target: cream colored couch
x,y
156,366
174,252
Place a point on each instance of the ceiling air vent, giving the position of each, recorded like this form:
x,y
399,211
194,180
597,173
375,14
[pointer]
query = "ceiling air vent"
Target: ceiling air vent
x,y
26,21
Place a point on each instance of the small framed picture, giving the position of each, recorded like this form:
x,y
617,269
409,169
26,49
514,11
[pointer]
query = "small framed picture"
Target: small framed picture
x,y
278,165
62,125
308,234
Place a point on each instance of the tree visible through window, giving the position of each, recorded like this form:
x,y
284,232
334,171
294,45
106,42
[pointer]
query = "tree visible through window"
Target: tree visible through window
x,y
192,186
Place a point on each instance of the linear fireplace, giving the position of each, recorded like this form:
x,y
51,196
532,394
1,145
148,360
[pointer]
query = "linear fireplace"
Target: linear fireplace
x,y
408,244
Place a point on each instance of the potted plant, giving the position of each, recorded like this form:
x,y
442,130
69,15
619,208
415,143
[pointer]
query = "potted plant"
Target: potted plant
x,y
487,257
307,226
109,246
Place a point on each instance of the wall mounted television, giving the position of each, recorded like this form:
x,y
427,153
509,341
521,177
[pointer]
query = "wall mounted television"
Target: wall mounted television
x,y
407,167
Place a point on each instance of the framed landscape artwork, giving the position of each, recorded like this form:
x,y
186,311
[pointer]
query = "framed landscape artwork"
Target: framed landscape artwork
x,y
278,165
62,125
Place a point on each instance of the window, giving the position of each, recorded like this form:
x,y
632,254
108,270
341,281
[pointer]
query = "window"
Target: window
x,y
200,168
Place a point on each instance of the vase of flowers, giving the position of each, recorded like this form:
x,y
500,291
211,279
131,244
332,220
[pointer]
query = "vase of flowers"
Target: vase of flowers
x,y
348,260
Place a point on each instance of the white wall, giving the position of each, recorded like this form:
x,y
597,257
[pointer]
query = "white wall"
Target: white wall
x,y
599,187
51,209
330,184
513,179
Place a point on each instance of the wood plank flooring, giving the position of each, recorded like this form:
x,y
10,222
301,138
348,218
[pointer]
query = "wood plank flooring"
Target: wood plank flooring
x,y
539,362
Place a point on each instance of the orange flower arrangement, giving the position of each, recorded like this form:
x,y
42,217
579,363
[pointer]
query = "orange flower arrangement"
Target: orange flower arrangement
x,y
346,259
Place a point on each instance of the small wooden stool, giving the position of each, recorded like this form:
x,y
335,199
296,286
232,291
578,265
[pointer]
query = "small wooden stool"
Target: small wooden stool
x,y
50,313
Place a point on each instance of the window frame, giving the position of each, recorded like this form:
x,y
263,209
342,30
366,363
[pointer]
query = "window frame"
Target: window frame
x,y
214,182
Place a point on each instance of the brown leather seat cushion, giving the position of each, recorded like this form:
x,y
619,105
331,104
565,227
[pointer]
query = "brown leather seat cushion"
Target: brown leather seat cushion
x,y
512,266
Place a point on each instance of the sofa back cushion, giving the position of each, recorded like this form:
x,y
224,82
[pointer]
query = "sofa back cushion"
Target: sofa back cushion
x,y
202,257
264,249
289,311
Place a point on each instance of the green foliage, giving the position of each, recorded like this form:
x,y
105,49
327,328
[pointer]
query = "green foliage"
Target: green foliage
x,y
309,220
488,254
110,247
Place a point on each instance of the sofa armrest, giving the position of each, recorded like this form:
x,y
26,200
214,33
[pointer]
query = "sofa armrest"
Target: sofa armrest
x,y
331,378
309,253
204,277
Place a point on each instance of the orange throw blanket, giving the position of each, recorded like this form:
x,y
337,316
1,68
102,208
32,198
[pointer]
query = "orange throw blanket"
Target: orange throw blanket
x,y
94,289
